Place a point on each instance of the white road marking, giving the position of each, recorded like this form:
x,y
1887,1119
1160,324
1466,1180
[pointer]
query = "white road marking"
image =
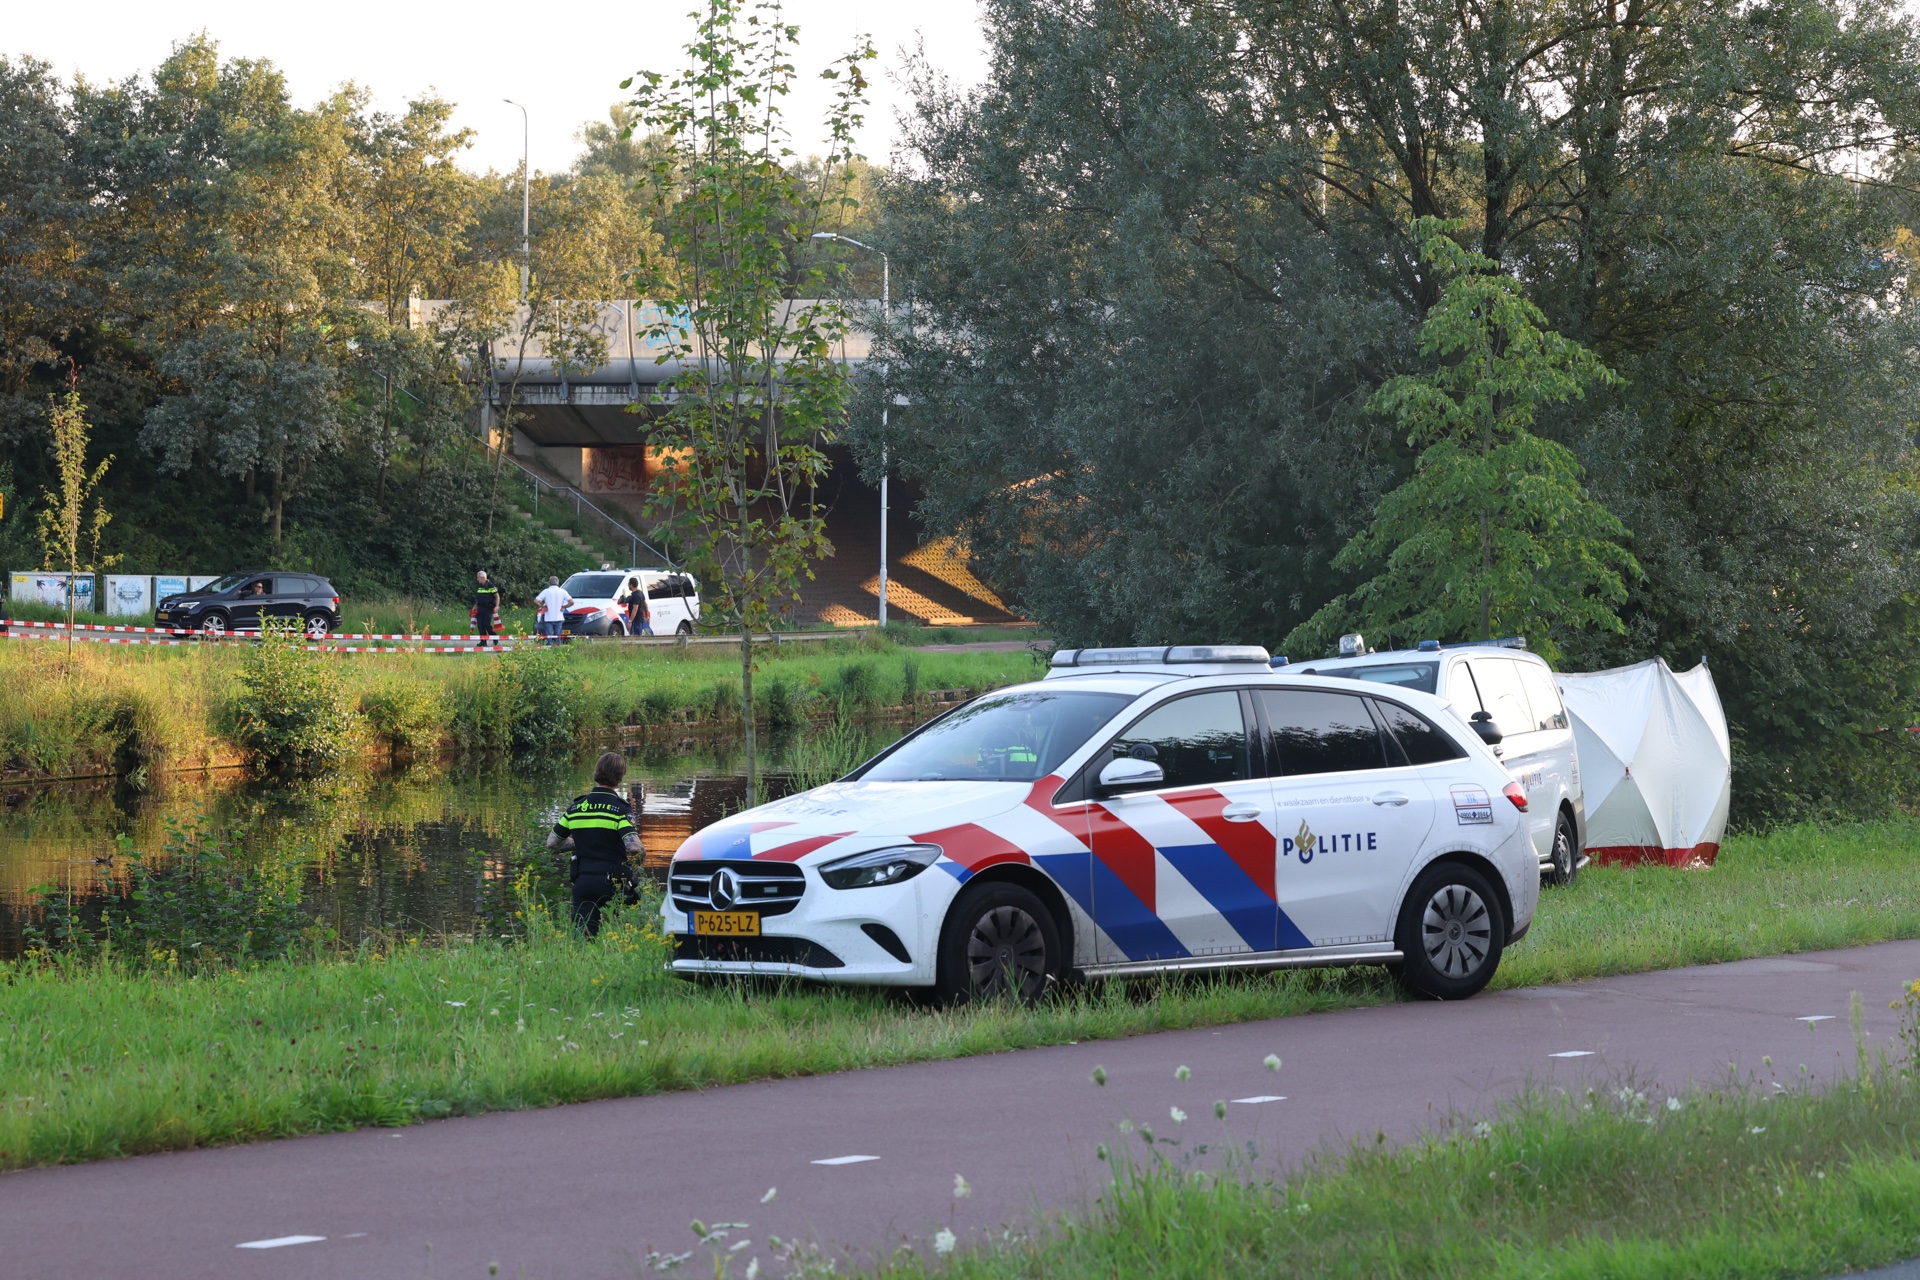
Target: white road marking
x,y
846,1159
1816,1017
1263,1097
1572,1053
280,1242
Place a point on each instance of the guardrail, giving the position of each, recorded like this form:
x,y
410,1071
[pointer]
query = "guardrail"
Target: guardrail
x,y
566,495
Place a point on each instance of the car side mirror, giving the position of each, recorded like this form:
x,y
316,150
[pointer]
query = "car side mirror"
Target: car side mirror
x,y
1482,722
1130,774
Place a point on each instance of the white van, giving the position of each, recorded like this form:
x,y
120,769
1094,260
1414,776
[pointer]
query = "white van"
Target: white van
x,y
673,601
1508,696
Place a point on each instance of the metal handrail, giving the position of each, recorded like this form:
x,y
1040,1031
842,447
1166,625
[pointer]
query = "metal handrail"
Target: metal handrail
x,y
582,502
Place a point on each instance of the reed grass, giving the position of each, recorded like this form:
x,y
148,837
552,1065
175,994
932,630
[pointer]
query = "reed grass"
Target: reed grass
x,y
102,1057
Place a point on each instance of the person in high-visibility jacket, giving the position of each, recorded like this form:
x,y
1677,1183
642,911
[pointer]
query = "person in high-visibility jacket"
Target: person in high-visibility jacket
x,y
597,829
486,602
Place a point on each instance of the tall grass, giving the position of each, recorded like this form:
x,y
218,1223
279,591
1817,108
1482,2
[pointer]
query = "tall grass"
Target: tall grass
x,y
118,710
317,1041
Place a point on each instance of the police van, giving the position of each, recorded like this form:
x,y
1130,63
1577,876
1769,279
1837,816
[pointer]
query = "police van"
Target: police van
x,y
1138,811
673,601
1507,695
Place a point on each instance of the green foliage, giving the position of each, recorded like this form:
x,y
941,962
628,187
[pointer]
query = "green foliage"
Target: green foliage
x,y
855,690
526,700
764,389
1492,534
910,680
290,709
407,717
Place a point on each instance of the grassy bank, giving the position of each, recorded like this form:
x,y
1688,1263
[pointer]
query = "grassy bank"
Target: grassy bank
x,y
1616,1184
100,1058
110,710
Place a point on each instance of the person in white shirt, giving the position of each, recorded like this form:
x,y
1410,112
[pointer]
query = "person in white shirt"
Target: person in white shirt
x,y
553,603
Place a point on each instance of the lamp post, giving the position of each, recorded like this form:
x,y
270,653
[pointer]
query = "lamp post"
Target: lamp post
x,y
886,312
526,154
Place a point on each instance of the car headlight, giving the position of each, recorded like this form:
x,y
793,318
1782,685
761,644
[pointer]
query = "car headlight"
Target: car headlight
x,y
880,866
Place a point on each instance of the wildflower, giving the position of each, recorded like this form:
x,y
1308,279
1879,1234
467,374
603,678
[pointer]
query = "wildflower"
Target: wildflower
x,y
1482,1130
1219,1111
1759,1128
1100,1076
753,1270
960,1188
1673,1104
1179,1116
1100,1152
699,1228
765,1199
1273,1062
1126,1126
943,1242
738,1245
1182,1073
1302,1207
458,1004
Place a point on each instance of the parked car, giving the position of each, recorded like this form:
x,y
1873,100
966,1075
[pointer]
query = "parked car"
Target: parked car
x,y
1508,696
238,602
673,598
1138,811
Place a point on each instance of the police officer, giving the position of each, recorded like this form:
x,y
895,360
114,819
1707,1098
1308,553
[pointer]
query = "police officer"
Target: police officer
x,y
486,601
598,828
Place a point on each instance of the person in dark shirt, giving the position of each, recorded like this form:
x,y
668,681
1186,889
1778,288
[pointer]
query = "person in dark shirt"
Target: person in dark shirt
x,y
598,830
486,602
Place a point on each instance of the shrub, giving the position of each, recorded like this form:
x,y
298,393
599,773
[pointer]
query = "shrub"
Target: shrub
x,y
407,717
855,689
785,708
910,679
290,712
524,701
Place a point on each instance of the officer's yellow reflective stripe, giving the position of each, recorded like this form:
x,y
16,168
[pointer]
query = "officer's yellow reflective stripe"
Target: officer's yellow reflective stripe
x,y
593,822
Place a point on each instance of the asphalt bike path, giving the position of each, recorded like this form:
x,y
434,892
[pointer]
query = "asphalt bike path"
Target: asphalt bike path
x,y
865,1161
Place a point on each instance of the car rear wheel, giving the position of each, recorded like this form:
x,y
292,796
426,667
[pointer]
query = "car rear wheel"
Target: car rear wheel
x,y
318,626
999,940
214,624
1451,933
1564,863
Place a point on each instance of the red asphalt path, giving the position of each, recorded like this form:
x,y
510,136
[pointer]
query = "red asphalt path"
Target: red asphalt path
x,y
589,1190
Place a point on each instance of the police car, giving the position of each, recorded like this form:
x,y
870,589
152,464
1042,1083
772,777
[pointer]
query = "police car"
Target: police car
x,y
1138,811
1508,697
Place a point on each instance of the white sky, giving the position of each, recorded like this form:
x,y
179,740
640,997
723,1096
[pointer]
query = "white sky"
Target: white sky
x,y
564,61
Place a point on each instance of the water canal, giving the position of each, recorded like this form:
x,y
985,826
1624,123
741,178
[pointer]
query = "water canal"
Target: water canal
x,y
429,851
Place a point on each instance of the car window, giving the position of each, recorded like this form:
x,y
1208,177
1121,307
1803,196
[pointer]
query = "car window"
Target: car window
x,y
256,587
1542,697
225,583
594,586
293,586
1406,675
1502,695
1419,739
664,589
1315,732
1013,737
1197,741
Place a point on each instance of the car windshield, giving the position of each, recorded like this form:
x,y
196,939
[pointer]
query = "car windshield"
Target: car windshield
x,y
227,583
595,586
1424,676
1007,737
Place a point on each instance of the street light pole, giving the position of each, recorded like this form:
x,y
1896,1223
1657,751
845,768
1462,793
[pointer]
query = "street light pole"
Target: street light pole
x,y
886,313
526,154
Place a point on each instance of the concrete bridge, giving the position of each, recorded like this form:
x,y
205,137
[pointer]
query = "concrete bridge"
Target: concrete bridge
x,y
589,429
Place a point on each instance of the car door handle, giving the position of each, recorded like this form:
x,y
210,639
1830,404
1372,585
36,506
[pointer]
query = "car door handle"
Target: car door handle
x,y
1390,799
1240,812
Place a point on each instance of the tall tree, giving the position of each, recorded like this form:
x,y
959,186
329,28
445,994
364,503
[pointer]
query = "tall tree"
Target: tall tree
x,y
72,516
746,313
43,220
1492,533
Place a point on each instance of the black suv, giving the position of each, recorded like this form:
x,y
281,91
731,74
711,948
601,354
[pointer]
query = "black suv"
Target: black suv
x,y
239,601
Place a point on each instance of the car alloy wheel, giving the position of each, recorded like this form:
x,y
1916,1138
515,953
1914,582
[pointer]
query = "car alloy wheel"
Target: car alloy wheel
x,y
318,628
1456,931
214,624
1564,863
684,629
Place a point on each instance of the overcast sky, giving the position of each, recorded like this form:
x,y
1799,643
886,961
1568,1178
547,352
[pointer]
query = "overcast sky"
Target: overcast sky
x,y
564,61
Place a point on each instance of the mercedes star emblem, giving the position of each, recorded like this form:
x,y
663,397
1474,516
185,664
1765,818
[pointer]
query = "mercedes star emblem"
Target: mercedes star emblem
x,y
724,890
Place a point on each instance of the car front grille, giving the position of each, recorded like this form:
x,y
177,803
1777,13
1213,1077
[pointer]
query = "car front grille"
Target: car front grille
x,y
771,888
762,950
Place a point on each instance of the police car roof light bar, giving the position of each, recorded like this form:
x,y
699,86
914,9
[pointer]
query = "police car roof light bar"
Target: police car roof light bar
x,y
1504,642
1161,655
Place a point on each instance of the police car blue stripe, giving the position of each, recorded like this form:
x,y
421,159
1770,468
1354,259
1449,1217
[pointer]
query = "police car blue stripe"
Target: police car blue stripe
x,y
1140,934
1071,872
1229,890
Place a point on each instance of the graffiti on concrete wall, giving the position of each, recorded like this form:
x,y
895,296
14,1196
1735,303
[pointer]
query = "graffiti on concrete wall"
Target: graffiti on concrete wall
x,y
616,470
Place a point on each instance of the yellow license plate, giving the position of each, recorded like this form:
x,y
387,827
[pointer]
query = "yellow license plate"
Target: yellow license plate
x,y
739,924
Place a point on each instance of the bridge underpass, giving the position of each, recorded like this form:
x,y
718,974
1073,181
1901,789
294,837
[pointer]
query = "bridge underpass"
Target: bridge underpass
x,y
589,431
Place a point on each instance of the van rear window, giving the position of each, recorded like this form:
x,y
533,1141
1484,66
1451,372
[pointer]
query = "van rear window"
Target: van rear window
x,y
1424,676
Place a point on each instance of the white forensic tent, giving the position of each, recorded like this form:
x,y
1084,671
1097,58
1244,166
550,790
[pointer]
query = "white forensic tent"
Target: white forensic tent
x,y
1655,762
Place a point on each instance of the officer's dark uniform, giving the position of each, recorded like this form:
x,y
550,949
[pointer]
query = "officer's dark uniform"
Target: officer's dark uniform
x,y
601,827
486,598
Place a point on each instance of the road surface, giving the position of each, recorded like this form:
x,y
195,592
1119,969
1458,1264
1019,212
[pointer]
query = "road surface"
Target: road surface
x,y
865,1161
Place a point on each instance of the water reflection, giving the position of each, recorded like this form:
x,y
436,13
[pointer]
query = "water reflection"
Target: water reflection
x,y
431,850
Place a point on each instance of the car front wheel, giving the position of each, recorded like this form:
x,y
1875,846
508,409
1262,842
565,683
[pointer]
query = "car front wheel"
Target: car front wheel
x,y
214,624
1451,933
1564,863
999,940
684,629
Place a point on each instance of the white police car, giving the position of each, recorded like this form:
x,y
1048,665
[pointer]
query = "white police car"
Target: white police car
x,y
1138,811
1508,696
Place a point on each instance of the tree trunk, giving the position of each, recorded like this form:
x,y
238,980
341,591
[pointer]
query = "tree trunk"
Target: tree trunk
x,y
746,705
279,500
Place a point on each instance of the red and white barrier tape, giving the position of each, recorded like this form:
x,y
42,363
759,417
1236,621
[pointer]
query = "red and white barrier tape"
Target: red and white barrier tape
x,y
343,650
189,631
